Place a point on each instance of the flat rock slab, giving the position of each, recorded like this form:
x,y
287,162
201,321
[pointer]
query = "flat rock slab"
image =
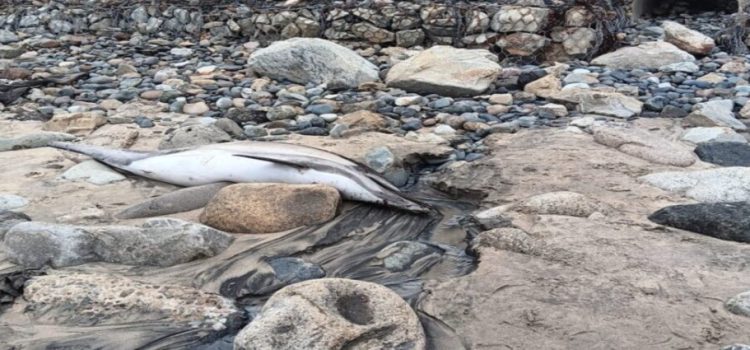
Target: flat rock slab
x,y
101,299
446,71
158,242
333,313
649,55
712,134
710,186
93,172
311,60
644,145
727,221
714,113
687,39
724,153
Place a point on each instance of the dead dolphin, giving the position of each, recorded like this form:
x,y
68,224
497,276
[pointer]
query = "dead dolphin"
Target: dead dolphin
x,y
248,161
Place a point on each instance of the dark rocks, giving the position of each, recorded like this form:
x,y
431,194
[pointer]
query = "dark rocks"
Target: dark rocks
x,y
727,221
724,153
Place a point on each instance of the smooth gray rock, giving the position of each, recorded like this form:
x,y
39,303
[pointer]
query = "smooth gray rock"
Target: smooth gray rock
x,y
739,304
7,37
312,60
8,219
12,201
158,242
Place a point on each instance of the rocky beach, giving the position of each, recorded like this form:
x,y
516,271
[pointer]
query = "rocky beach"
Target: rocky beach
x,y
581,170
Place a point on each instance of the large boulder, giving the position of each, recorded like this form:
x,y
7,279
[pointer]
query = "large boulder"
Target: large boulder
x,y
333,313
712,134
728,221
270,207
687,39
158,242
446,71
649,55
644,145
711,186
311,60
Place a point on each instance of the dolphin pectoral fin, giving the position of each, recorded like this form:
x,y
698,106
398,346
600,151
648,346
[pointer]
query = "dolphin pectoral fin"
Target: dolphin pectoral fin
x,y
289,163
179,201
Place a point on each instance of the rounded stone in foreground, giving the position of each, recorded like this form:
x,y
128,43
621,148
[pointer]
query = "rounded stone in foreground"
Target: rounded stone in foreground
x,y
739,304
270,207
333,313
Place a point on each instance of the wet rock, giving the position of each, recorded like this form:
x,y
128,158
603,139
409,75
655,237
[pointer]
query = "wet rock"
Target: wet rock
x,y
559,203
158,242
710,186
12,201
728,221
194,135
739,304
400,256
714,113
642,144
310,60
8,219
687,39
649,55
712,134
724,153
264,208
506,238
283,272
604,103
445,71
93,172
75,123
116,300
357,315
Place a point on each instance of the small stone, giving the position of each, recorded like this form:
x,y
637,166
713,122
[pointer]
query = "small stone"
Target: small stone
x,y
264,208
544,87
181,52
501,99
198,108
284,112
224,103
687,39
554,109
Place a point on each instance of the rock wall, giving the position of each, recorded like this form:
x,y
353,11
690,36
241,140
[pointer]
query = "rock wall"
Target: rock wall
x,y
539,29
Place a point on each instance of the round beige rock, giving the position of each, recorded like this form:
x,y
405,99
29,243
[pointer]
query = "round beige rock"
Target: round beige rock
x,y
333,313
267,207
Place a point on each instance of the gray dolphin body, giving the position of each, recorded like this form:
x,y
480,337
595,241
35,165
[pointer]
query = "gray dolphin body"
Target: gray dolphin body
x,y
248,161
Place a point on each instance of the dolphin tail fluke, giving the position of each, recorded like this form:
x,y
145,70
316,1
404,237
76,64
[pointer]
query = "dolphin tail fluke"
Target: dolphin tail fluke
x,y
114,157
401,201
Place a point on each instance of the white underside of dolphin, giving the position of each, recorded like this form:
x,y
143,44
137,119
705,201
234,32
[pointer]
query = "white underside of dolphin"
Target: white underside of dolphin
x,y
248,161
